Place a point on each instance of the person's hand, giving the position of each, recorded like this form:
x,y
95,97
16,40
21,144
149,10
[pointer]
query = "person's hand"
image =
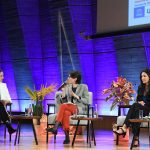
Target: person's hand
x,y
5,102
74,95
142,103
63,94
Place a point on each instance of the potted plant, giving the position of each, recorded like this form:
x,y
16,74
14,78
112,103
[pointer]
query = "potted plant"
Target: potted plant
x,y
120,91
38,96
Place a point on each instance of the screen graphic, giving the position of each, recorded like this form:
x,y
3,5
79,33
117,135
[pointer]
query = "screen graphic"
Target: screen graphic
x,y
139,12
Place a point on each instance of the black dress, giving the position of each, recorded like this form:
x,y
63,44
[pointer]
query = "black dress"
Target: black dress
x,y
133,112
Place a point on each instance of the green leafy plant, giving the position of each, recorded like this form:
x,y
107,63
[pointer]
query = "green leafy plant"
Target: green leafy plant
x,y
37,108
38,96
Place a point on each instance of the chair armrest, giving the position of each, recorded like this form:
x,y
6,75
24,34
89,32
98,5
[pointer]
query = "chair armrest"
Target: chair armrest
x,y
122,106
51,105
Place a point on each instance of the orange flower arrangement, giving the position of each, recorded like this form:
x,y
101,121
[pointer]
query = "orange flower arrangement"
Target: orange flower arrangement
x,y
120,90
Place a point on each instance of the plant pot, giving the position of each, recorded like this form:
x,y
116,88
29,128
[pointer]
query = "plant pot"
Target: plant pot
x,y
36,121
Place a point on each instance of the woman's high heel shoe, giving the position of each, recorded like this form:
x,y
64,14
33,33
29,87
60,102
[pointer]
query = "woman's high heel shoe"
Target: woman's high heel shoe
x,y
136,142
122,132
67,138
52,130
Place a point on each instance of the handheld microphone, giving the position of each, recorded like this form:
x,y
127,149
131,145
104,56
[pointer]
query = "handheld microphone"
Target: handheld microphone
x,y
62,85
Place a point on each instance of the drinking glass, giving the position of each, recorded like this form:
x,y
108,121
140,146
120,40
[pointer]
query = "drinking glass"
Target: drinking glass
x,y
140,114
149,115
29,111
26,111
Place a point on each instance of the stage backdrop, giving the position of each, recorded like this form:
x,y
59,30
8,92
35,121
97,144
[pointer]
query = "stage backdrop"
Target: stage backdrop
x,y
40,42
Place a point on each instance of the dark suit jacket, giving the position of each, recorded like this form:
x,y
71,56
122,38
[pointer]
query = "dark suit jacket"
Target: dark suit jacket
x,y
141,97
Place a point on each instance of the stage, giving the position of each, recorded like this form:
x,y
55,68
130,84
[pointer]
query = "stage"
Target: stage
x,y
104,140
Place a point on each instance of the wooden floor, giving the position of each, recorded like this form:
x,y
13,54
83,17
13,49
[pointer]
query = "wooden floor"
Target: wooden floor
x,y
104,141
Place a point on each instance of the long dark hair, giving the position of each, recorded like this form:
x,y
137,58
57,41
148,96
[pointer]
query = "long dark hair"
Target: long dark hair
x,y
147,71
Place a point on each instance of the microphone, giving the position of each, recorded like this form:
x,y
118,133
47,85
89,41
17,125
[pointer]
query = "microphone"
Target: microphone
x,y
62,85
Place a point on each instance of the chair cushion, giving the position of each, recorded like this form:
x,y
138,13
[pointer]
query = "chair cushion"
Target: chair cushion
x,y
120,120
51,119
144,124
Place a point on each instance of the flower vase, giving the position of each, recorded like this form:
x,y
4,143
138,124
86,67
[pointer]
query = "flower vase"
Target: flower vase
x,y
37,108
37,111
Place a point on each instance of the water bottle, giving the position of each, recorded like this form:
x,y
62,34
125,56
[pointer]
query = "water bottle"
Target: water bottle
x,y
30,110
96,112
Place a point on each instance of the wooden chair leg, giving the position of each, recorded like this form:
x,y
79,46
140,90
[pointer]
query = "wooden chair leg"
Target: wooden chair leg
x,y
87,132
46,136
35,137
5,132
90,133
149,132
19,133
93,133
54,138
117,137
9,137
74,137
16,134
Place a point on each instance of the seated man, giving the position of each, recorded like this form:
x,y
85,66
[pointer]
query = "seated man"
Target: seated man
x,y
74,98
4,99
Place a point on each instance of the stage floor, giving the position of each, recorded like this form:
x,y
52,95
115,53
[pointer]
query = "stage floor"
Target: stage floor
x,y
104,140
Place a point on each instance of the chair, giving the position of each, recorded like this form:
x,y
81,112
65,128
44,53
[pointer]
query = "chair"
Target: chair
x,y
52,115
7,105
121,118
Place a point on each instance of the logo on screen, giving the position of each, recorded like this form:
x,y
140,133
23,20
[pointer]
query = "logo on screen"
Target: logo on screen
x,y
147,11
139,12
